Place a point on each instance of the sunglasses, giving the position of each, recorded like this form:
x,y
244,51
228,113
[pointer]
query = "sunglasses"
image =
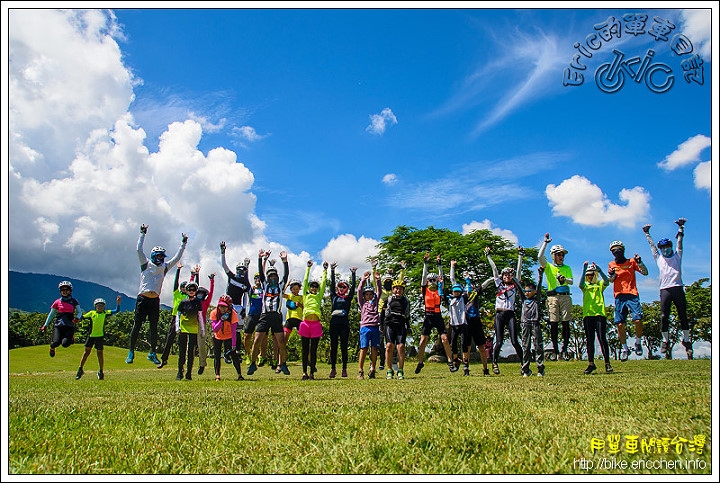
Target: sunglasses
x,y
65,289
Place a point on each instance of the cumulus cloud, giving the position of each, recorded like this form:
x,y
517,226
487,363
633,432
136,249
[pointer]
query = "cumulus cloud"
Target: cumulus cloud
x,y
487,225
379,122
703,175
687,153
389,179
347,250
585,203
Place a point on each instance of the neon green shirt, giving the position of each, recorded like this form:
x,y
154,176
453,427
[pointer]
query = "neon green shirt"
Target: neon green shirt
x,y
593,298
97,321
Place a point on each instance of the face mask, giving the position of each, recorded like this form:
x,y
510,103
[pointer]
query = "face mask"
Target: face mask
x,y
387,285
667,252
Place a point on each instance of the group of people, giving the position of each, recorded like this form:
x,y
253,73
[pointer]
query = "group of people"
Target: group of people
x,y
246,313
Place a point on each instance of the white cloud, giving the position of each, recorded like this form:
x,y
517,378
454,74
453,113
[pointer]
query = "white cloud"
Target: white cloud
x,y
585,203
687,153
487,225
390,179
697,28
347,251
248,133
703,175
379,122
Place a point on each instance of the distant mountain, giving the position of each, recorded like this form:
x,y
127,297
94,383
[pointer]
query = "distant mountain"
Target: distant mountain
x,y
35,292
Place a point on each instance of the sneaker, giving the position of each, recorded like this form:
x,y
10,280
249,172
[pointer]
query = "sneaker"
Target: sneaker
x,y
590,369
201,369
486,372
663,347
457,362
284,369
278,370
541,371
381,367
312,375
390,374
251,369
153,358
52,352
638,348
400,374
624,354
344,373
240,377
525,374
162,364
305,377
333,373
452,367
188,376
217,378
419,367
371,374
565,355
688,349
179,376
466,372
496,369
131,357
100,375
79,374
361,375
608,368
263,361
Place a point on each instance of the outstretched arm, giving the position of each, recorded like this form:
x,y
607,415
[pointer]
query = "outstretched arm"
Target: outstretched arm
x,y
541,253
490,261
653,248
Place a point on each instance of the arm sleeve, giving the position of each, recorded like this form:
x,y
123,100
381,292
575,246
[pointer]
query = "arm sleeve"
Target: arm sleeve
x,y
423,280
176,284
518,271
141,255
582,278
50,316
176,258
223,262
653,248
492,266
352,286
541,254
452,274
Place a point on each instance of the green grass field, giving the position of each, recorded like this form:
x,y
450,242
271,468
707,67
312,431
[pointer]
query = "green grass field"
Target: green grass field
x,y
140,420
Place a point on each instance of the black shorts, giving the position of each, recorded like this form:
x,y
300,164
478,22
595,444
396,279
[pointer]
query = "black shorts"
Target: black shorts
x,y
433,320
98,342
252,322
270,321
291,323
395,334
476,330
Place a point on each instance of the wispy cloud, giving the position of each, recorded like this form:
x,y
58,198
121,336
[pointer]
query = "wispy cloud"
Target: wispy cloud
x,y
585,203
248,133
379,122
390,179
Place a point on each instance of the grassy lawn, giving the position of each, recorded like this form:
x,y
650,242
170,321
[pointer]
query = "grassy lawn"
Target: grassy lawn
x,y
140,420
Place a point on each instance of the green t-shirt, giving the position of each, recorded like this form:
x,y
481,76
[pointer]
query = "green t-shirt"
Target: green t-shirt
x,y
593,298
97,322
551,271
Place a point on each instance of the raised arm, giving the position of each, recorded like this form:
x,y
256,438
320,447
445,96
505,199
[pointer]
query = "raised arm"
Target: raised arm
x,y
651,242
521,252
452,272
225,267
492,264
541,253
178,255
680,235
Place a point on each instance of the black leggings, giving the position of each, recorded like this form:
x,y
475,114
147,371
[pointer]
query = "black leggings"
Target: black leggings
x,y
63,335
145,308
502,319
309,353
339,332
596,324
187,343
565,334
674,295
219,348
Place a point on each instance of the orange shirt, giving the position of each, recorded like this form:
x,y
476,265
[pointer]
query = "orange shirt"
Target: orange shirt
x,y
625,277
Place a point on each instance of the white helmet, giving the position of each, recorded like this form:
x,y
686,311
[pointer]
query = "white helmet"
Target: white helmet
x,y
99,301
65,283
558,249
617,244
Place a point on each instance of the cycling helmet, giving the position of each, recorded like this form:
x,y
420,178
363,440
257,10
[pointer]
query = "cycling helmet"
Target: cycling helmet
x,y
202,293
314,283
294,282
257,275
664,242
457,288
190,285
558,249
225,300
156,250
343,284
271,271
368,289
617,244
432,276
99,301
183,284
157,255
65,283
398,283
240,266
508,270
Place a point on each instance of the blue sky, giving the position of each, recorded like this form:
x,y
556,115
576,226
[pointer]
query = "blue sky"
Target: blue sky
x,y
318,131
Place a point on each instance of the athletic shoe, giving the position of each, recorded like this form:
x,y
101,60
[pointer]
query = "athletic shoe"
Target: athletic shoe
x,y
79,374
153,358
240,378
305,377
496,369
344,373
278,370
466,372
263,361
608,368
381,367
663,347
130,357
101,376
162,364
541,372
179,376
419,367
312,376
457,362
371,374
452,367
390,374
251,369
565,355
333,373
624,354
688,349
52,352
590,369
284,369
217,378
486,372
638,348
400,374
201,369
188,376
527,373
361,375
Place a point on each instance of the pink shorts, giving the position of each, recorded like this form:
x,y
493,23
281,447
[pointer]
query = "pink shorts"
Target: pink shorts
x,y
311,329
